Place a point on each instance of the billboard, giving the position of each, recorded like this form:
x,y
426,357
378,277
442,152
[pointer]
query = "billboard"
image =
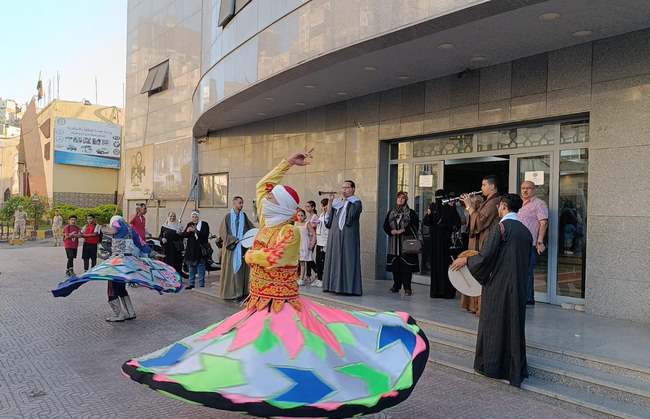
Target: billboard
x,y
87,143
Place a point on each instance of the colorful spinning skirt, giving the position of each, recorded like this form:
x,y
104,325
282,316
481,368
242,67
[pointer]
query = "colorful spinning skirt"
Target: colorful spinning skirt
x,y
145,272
319,361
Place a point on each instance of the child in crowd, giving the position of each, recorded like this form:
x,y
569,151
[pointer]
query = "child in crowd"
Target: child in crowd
x,y
322,233
312,218
71,234
307,242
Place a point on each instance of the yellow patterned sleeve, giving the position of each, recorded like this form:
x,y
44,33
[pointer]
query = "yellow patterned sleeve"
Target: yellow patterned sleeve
x,y
267,183
284,252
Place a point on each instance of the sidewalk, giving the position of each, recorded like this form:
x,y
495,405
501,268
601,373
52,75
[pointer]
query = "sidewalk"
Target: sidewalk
x,y
60,359
549,326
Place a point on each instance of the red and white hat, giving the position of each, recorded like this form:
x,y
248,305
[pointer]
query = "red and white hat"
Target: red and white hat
x,y
286,196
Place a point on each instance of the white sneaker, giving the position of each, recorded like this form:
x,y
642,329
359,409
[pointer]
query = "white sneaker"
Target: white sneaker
x,y
301,282
317,283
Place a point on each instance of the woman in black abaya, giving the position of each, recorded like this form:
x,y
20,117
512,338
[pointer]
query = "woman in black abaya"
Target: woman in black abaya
x,y
441,220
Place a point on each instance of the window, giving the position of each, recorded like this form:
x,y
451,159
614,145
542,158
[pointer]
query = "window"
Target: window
x,y
157,79
574,132
399,151
527,136
213,190
456,144
228,10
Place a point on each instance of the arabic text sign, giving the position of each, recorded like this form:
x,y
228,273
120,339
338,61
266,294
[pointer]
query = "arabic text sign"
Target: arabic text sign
x,y
87,143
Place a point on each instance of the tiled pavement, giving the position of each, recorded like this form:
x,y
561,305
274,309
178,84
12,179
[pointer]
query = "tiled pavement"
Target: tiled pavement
x,y
59,359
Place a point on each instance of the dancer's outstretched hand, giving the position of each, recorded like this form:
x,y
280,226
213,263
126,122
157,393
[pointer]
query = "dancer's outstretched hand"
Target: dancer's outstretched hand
x,y
301,159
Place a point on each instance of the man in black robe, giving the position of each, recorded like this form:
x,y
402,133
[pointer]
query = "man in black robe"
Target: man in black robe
x,y
441,220
502,268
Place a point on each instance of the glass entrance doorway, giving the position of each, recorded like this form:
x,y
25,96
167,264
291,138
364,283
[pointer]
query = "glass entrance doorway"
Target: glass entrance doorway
x,y
552,154
536,168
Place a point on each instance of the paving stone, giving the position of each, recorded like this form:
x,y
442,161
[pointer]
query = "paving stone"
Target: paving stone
x,y
60,359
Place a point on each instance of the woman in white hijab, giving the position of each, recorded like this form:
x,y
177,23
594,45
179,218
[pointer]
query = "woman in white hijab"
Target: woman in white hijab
x,y
172,242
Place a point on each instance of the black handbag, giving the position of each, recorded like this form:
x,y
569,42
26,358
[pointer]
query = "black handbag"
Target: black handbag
x,y
412,246
206,250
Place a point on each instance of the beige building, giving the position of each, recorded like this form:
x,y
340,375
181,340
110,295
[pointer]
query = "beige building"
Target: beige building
x,y
415,96
158,128
10,168
73,152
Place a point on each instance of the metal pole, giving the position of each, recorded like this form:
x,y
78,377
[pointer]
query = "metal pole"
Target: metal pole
x,y
189,195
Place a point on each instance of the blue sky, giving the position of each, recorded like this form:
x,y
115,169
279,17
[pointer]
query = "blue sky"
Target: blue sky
x,y
80,39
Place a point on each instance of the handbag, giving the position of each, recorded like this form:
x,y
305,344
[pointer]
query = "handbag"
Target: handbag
x,y
206,250
412,246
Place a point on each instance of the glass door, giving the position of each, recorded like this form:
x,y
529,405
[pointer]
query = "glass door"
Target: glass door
x,y
537,168
572,225
427,177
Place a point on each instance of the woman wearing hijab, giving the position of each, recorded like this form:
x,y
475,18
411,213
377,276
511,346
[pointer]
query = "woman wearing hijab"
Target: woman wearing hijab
x,y
441,218
285,355
198,249
172,242
401,223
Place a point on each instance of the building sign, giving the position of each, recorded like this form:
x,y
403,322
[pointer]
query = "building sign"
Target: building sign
x,y
425,181
535,176
87,143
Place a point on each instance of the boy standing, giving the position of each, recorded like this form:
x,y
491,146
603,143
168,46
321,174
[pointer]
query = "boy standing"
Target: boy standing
x,y
91,236
71,234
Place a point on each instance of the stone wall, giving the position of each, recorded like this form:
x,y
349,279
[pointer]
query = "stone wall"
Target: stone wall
x,y
618,283
84,200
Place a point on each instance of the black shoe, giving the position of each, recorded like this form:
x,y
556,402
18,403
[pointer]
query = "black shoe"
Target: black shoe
x,y
189,287
408,293
393,290
530,303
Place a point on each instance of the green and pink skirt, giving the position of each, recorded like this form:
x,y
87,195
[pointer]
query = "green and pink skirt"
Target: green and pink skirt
x,y
316,362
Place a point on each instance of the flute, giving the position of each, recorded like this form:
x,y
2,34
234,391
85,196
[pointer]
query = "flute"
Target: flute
x,y
458,198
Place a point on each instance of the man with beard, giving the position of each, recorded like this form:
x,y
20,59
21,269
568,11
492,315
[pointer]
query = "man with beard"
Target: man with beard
x,y
501,267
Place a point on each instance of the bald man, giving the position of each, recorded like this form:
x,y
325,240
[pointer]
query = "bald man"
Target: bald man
x,y
534,215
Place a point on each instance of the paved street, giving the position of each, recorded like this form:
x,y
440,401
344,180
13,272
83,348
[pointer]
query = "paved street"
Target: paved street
x,y
60,359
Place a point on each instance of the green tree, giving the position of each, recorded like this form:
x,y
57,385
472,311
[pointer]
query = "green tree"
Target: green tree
x,y
34,206
102,213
